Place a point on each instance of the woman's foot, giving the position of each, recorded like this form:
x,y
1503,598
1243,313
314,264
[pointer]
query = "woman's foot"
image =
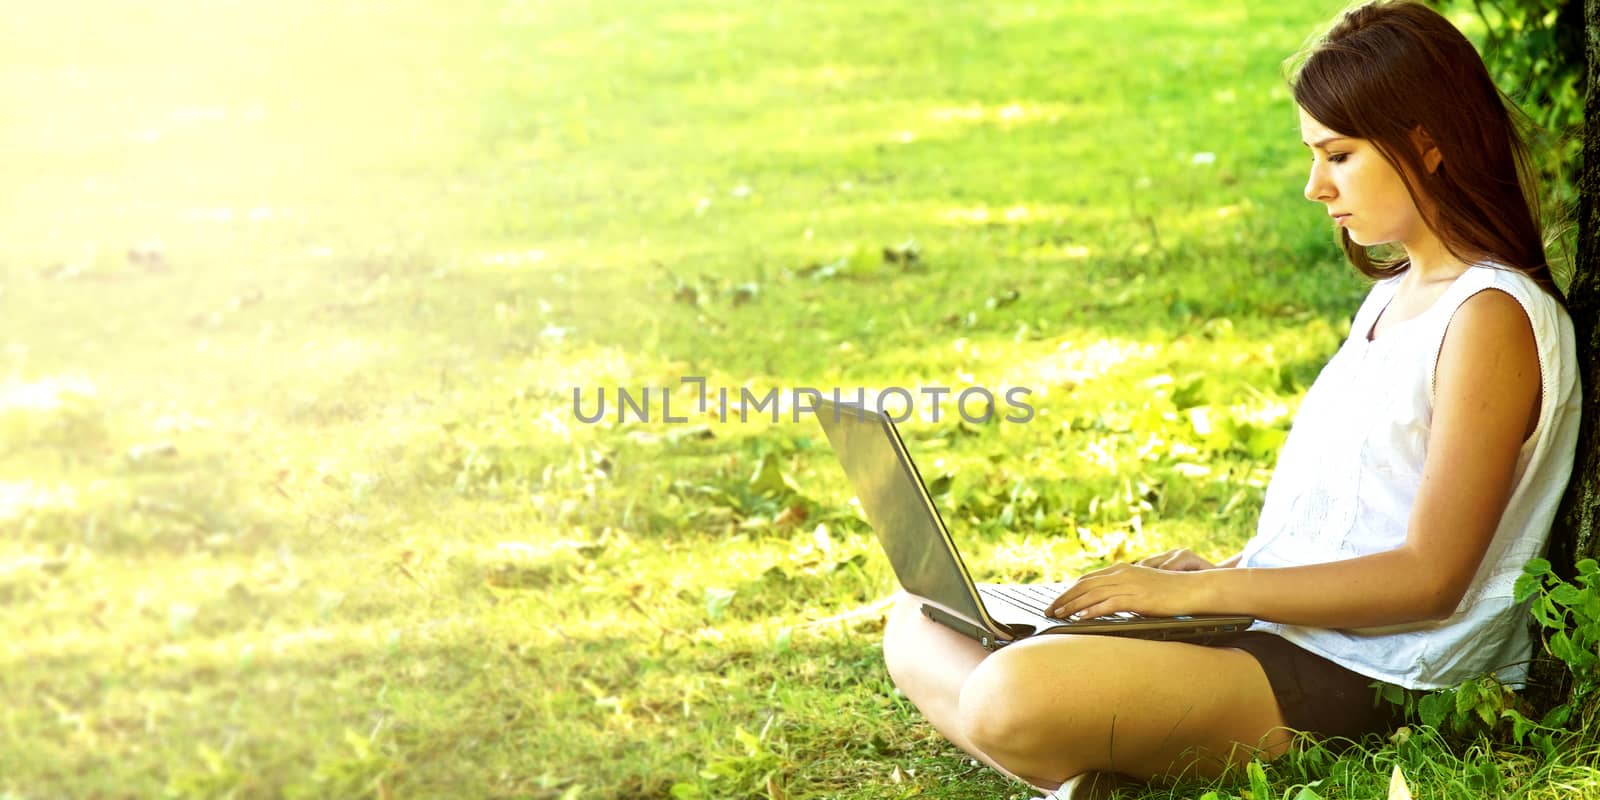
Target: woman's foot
x,y
1090,786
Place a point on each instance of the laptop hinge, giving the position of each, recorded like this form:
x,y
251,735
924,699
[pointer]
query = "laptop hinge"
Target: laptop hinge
x,y
987,639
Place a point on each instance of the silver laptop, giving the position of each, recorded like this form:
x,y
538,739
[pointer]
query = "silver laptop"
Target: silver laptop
x,y
927,564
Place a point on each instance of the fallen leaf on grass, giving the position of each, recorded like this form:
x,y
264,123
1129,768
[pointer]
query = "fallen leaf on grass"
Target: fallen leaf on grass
x,y
793,515
148,256
770,480
745,293
906,254
853,264
1004,299
717,600
249,298
142,453
1398,788
674,436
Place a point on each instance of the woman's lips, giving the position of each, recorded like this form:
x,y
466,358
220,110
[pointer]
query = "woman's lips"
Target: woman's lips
x,y
1340,218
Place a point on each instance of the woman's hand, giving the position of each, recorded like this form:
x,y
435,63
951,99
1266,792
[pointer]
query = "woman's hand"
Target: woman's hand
x,y
1183,560
1136,588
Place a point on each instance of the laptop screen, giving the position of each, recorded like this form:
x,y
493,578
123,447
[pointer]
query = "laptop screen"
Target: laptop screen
x,y
898,506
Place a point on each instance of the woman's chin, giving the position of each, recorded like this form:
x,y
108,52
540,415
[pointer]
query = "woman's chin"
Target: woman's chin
x,y
1366,242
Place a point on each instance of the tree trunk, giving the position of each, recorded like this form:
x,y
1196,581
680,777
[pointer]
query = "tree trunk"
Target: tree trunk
x,y
1576,534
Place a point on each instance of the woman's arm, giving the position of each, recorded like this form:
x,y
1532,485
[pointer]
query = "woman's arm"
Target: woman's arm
x,y
1486,401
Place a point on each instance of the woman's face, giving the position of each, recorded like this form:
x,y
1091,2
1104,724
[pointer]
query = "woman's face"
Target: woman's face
x,y
1361,190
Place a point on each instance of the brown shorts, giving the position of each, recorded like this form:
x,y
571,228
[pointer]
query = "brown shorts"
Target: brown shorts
x,y
1314,694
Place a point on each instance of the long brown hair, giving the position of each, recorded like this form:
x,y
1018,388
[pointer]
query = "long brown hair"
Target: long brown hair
x,y
1386,69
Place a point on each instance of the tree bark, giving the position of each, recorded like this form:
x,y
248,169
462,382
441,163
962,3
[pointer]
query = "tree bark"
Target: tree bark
x,y
1576,533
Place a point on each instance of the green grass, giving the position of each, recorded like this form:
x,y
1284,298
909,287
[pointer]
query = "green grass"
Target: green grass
x,y
294,298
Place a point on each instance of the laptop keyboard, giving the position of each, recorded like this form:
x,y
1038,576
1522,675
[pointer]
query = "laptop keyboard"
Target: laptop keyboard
x,y
1037,597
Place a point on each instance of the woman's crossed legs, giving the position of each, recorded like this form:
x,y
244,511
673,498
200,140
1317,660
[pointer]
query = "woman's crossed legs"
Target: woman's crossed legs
x,y
1052,707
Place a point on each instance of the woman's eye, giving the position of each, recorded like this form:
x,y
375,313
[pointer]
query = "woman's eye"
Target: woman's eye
x,y
1338,158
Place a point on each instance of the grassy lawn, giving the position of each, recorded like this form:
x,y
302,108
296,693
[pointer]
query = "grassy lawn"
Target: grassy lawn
x,y
294,299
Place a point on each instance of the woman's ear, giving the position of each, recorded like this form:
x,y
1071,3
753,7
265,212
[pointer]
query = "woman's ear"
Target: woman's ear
x,y
1431,157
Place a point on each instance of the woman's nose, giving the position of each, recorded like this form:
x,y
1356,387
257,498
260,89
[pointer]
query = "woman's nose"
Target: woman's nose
x,y
1318,189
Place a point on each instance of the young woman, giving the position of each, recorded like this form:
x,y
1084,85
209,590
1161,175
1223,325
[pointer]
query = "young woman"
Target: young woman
x,y
1422,472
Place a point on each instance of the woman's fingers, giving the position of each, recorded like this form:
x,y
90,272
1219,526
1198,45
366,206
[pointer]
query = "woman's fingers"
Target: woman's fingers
x,y
1092,606
1091,591
1125,587
1157,560
1097,610
1069,598
1182,560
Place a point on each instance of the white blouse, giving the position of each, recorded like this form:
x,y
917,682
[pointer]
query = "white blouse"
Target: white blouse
x,y
1347,477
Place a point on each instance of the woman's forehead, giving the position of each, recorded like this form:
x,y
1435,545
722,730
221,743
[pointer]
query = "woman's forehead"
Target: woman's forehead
x,y
1316,134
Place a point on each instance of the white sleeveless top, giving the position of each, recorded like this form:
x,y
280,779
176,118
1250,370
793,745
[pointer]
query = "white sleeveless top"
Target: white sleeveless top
x,y
1347,477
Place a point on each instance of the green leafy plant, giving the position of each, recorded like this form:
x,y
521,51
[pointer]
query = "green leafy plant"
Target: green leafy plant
x,y
1485,708
754,769
1535,50
1569,612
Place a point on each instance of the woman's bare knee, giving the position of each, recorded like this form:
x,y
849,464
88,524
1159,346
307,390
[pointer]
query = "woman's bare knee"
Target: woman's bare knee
x,y
1015,708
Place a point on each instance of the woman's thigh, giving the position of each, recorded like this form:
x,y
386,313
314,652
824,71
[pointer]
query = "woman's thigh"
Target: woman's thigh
x,y
1051,707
